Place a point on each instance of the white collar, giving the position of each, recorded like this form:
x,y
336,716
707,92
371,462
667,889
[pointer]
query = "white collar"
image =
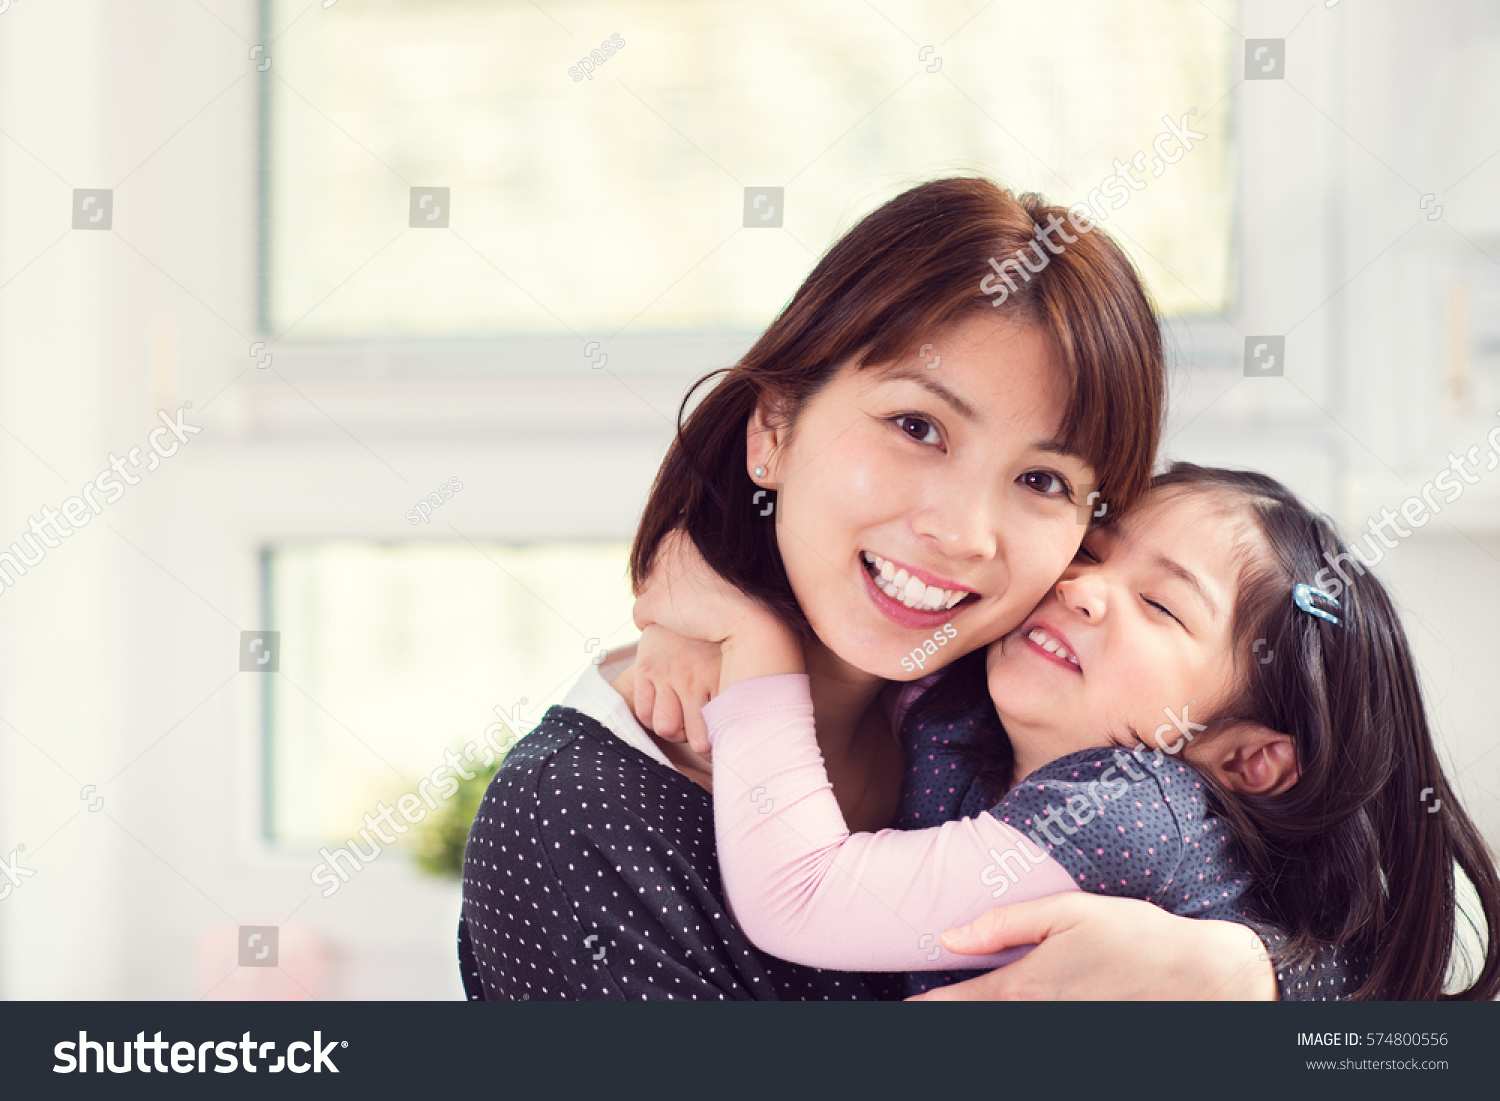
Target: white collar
x,y
592,695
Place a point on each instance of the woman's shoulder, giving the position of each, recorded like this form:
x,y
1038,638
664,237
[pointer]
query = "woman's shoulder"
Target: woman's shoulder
x,y
571,772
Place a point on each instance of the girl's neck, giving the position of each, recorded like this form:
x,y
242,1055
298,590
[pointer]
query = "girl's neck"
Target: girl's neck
x,y
1030,750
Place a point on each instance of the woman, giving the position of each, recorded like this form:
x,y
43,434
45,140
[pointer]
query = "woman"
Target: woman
x,y
905,407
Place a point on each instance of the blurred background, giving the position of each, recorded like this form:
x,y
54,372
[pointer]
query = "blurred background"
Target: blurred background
x,y
432,277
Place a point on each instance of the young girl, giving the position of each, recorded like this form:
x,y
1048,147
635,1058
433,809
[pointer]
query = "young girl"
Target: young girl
x,y
1214,710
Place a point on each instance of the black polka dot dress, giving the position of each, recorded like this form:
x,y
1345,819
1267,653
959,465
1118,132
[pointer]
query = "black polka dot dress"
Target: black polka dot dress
x,y
1129,825
590,874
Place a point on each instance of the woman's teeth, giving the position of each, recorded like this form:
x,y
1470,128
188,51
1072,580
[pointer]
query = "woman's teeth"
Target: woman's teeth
x,y
901,586
1050,644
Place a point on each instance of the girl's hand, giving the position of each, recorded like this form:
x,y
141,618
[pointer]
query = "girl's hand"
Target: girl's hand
x,y
683,594
1093,947
674,678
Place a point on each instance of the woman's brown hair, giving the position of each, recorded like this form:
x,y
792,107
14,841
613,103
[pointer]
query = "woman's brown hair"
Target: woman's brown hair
x,y
908,269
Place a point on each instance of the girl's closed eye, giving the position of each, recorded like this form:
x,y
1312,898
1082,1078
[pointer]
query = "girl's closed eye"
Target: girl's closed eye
x,y
1163,609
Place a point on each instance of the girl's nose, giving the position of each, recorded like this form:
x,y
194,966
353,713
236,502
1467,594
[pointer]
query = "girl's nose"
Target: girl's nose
x,y
1084,594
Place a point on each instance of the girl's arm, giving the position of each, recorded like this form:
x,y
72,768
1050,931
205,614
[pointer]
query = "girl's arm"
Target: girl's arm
x,y
1087,946
802,886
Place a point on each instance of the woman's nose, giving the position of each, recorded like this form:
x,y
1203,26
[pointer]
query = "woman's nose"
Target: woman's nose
x,y
962,529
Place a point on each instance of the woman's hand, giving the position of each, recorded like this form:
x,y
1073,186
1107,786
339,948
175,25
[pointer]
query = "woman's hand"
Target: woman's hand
x,y
674,678
1093,947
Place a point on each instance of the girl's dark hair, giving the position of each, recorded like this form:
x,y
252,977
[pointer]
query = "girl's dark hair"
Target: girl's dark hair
x,y
906,270
1352,854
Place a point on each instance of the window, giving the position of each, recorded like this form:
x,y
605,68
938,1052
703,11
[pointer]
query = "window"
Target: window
x,y
393,653
609,200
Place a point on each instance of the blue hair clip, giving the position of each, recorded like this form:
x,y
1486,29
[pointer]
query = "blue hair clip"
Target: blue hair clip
x,y
1302,595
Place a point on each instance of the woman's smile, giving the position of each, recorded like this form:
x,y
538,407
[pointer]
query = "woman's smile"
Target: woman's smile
x,y
897,610
913,587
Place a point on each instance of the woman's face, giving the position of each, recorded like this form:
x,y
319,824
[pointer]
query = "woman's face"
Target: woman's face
x,y
925,506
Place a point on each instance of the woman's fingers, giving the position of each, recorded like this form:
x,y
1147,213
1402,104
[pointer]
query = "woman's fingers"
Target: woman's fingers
x,y
1011,926
997,986
1028,922
1123,949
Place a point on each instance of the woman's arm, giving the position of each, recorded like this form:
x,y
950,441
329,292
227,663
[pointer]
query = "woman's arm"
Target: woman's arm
x,y
1092,947
802,886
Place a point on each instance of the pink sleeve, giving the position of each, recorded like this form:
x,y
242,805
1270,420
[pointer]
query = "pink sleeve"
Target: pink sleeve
x,y
804,888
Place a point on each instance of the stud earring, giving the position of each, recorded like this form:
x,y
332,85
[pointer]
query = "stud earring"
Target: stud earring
x,y
760,472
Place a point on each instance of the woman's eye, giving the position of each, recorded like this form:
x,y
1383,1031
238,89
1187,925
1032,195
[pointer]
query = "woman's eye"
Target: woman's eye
x,y
1048,483
919,429
1086,555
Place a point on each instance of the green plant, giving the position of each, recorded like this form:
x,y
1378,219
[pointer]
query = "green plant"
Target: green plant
x,y
438,840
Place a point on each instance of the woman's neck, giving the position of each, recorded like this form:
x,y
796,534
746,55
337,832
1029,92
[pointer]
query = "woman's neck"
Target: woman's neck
x,y
841,696
860,754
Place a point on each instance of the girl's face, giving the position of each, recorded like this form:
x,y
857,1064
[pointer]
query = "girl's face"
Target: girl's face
x,y
925,506
1136,636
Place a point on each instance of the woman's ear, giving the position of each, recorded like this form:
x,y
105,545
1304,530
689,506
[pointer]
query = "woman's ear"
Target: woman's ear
x,y
1249,759
764,432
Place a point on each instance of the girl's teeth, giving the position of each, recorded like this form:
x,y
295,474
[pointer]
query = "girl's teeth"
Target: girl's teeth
x,y
1050,644
915,591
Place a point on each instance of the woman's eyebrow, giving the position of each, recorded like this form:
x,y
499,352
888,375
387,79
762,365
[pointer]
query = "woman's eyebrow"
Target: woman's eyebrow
x,y
923,378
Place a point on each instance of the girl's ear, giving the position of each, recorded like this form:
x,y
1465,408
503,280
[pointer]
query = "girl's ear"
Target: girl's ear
x,y
1249,759
763,433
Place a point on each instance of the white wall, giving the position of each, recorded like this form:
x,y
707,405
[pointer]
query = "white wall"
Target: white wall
x,y
117,653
